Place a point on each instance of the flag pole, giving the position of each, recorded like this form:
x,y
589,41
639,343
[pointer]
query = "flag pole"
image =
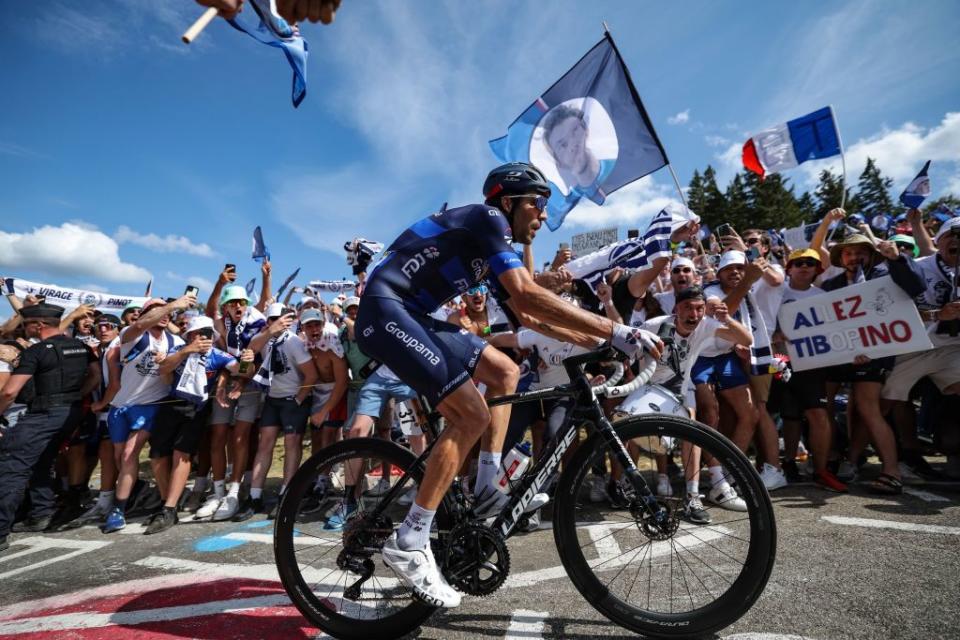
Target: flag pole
x,y
191,34
843,160
676,182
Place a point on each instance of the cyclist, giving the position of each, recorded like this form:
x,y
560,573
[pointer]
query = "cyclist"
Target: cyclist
x,y
434,260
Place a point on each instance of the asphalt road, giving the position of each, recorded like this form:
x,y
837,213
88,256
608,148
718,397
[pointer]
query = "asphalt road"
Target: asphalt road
x,y
848,566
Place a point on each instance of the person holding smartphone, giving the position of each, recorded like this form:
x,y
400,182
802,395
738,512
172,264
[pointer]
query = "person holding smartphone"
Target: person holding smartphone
x,y
289,374
181,423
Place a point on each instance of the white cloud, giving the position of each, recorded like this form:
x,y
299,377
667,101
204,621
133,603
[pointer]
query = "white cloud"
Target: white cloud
x,y
716,141
165,244
68,250
681,118
633,205
18,151
93,287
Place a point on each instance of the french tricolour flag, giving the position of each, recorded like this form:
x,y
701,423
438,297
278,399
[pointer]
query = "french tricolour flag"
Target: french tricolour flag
x,y
784,146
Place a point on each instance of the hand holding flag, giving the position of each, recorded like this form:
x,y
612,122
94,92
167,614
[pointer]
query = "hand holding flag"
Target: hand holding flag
x,y
260,252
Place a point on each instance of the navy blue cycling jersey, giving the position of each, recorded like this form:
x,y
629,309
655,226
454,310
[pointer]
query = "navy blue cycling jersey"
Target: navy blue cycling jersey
x,y
442,256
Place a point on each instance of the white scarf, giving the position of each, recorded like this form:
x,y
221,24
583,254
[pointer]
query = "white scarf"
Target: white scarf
x,y
192,385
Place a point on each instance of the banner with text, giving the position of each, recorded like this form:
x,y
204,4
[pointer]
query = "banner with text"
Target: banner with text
x,y
70,298
875,319
583,243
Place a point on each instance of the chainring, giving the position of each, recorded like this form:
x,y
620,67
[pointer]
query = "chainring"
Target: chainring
x,y
476,561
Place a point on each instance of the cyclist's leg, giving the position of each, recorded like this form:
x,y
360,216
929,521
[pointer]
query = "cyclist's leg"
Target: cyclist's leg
x,y
500,374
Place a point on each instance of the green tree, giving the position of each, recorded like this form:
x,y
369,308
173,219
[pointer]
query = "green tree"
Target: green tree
x,y
738,204
873,192
713,209
696,198
808,207
828,194
771,203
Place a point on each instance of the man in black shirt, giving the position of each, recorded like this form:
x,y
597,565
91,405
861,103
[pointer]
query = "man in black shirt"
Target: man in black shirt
x,y
62,370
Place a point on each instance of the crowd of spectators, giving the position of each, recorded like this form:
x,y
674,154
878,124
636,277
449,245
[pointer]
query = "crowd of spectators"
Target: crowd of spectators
x,y
209,388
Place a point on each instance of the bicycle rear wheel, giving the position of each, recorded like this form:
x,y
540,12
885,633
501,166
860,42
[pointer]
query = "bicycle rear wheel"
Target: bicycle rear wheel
x,y
321,569
666,577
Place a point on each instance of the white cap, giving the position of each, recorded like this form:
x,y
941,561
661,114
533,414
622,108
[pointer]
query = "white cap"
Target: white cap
x,y
945,227
731,258
275,310
351,302
681,261
201,322
308,299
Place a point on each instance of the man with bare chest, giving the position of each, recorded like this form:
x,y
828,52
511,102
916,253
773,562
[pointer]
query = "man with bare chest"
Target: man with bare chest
x,y
329,392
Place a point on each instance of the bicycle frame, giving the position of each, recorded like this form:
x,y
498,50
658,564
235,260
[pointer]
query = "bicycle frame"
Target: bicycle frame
x,y
536,477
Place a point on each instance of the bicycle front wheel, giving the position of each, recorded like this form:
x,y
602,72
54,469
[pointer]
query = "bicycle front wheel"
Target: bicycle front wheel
x,y
327,548
669,570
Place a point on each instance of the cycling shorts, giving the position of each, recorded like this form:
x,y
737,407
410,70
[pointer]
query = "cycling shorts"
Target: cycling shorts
x,y
431,356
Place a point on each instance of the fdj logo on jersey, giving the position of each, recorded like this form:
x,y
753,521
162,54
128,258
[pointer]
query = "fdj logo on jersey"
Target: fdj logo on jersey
x,y
413,265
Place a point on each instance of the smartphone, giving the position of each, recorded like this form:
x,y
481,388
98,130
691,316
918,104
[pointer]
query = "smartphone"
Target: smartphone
x,y
191,290
206,332
564,246
229,267
633,233
752,254
724,230
41,299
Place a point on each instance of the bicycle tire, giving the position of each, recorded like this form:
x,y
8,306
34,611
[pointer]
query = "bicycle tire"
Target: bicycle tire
x,y
296,585
742,593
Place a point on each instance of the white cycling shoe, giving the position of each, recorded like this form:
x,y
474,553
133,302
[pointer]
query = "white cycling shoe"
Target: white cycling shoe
x,y
418,570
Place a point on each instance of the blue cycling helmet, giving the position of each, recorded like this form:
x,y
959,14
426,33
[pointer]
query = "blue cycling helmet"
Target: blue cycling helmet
x,y
514,179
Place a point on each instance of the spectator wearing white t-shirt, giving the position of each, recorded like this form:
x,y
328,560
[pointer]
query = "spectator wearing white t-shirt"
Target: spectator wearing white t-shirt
x,y
143,345
749,289
290,374
685,334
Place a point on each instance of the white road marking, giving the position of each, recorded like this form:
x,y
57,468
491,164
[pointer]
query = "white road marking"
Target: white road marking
x,y
925,495
90,620
143,585
38,544
890,524
604,540
526,625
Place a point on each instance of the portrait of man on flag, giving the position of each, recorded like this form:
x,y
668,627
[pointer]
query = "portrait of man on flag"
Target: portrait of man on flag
x,y
589,133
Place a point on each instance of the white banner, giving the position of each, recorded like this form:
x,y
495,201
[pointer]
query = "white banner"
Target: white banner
x,y
875,319
584,243
70,298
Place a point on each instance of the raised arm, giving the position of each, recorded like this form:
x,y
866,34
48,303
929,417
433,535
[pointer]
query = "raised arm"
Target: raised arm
x,y
155,315
819,240
227,276
265,297
920,233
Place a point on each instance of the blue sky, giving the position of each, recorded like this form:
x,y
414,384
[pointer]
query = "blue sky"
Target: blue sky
x,y
125,154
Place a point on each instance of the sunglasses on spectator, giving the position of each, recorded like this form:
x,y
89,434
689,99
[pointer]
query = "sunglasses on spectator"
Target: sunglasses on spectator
x,y
752,240
540,202
805,262
904,246
478,290
239,301
682,270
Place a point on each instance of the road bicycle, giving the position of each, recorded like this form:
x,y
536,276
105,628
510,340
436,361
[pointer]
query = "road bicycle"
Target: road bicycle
x,y
641,565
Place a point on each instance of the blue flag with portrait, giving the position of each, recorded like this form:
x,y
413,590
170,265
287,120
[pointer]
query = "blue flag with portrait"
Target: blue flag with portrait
x,y
589,133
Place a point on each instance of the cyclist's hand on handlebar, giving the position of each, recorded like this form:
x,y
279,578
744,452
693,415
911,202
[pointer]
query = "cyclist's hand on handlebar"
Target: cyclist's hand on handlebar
x,y
634,342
